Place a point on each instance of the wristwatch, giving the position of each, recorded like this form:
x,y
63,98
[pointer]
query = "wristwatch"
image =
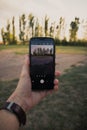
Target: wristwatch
x,y
17,110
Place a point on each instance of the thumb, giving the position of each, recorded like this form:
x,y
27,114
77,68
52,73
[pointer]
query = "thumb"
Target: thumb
x,y
26,69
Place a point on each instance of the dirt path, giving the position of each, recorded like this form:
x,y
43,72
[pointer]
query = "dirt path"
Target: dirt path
x,y
11,64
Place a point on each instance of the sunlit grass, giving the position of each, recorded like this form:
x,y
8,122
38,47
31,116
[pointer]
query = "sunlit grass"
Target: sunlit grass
x,y
17,49
71,50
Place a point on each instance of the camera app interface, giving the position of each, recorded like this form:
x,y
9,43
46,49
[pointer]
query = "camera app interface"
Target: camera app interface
x,y
42,60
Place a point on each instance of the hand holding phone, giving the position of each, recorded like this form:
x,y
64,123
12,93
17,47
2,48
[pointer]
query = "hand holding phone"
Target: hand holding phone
x,y
42,63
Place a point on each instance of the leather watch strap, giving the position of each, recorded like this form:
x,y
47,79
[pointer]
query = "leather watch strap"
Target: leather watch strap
x,y
17,110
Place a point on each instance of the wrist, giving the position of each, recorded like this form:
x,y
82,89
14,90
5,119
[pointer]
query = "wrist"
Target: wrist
x,y
8,120
18,100
16,110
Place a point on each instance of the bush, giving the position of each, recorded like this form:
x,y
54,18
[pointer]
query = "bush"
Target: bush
x,y
13,42
66,43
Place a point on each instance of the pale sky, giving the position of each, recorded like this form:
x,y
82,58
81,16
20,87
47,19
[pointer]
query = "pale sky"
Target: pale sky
x,y
69,9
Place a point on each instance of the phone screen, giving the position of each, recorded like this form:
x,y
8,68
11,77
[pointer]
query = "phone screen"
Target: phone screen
x,y
42,63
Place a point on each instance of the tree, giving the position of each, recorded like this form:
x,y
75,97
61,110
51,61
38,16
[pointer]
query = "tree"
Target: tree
x,y
31,23
60,29
8,32
23,21
3,36
37,28
52,29
6,35
13,30
20,36
23,26
84,27
46,25
74,29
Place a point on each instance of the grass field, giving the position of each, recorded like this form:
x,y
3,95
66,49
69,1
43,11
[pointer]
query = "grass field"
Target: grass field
x,y
63,110
23,49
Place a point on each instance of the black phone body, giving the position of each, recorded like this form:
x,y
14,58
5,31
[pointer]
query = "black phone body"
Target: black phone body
x,y
42,63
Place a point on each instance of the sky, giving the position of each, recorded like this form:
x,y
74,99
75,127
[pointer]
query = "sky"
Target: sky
x,y
69,9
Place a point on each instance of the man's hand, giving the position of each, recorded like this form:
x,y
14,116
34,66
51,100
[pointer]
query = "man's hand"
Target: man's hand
x,y
23,95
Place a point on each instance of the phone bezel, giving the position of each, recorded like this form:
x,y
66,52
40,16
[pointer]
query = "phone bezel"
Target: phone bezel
x,y
45,39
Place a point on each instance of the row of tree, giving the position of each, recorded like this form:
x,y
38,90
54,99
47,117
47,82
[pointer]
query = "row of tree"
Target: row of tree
x,y
42,51
31,27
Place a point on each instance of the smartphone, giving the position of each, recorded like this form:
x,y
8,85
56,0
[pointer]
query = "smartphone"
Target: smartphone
x,y
42,63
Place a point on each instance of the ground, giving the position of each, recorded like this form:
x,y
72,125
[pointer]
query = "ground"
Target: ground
x,y
66,109
11,63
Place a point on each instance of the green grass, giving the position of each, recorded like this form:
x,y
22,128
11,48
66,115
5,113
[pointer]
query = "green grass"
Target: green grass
x,y
63,110
23,49
71,50
17,49
6,88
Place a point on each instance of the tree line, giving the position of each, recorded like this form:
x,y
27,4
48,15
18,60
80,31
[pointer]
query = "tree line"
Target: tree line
x,y
42,51
30,26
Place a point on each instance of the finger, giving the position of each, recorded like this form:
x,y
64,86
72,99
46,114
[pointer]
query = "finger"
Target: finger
x,y
56,87
56,82
57,73
26,61
25,69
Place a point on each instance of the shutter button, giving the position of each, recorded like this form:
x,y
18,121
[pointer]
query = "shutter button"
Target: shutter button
x,y
41,81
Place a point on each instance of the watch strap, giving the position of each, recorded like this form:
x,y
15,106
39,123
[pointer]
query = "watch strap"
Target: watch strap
x,y
17,110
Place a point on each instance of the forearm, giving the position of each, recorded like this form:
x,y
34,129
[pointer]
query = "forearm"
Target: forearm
x,y
8,121
25,98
